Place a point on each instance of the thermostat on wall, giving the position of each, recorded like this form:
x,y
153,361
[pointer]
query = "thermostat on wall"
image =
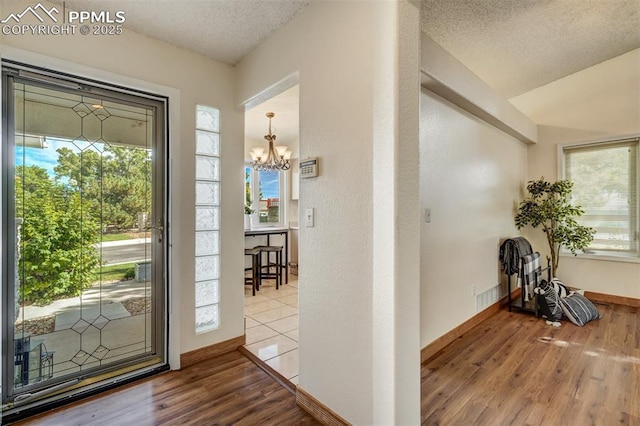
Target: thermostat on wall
x,y
309,167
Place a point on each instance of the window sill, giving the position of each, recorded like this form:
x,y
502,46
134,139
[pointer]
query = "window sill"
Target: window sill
x,y
606,256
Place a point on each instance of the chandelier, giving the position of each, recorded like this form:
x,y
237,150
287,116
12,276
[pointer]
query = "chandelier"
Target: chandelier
x,y
276,158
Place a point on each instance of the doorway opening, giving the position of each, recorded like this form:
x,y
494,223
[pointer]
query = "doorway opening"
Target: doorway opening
x,y
83,221
271,315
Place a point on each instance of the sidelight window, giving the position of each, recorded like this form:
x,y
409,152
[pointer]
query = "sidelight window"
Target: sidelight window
x,y
207,232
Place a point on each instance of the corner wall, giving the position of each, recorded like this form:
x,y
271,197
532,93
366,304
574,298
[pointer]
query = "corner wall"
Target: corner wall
x,y
471,176
335,47
598,103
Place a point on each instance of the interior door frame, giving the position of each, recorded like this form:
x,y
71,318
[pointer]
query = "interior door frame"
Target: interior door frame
x,y
160,202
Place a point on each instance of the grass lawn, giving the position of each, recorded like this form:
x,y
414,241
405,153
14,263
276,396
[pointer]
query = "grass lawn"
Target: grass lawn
x,y
116,237
116,272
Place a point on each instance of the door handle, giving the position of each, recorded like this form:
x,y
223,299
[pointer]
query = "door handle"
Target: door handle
x,y
158,227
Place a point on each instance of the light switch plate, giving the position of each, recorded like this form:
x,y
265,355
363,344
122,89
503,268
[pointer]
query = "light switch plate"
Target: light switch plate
x,y
309,217
427,215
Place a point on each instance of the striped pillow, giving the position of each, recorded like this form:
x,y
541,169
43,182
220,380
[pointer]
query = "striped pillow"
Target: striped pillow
x,y
548,300
578,309
559,287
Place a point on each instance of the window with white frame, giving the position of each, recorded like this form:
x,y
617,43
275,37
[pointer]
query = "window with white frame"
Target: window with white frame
x,y
605,177
265,193
207,224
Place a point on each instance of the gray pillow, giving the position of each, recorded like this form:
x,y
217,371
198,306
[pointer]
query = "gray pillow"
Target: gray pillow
x,y
578,309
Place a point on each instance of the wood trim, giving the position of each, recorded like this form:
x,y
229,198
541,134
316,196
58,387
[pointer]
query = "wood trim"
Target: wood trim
x,y
317,409
432,349
189,358
284,382
612,298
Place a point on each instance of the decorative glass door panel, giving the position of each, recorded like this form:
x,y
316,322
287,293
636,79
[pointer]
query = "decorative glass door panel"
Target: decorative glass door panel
x,y
84,217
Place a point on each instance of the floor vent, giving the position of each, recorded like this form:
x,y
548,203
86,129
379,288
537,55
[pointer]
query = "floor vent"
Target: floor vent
x,y
488,297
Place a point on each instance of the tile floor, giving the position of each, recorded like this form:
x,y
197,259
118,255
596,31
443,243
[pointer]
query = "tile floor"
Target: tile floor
x,y
272,326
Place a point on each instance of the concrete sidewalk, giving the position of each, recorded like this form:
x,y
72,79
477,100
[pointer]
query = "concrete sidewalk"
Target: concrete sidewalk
x,y
93,301
91,330
124,242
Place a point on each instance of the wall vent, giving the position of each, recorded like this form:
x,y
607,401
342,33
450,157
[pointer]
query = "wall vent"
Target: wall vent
x,y
488,297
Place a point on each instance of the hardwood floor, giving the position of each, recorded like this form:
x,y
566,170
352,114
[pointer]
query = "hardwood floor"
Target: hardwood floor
x,y
510,369
515,369
226,390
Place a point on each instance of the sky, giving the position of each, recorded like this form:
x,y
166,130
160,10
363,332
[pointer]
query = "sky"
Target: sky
x,y
269,182
270,186
45,158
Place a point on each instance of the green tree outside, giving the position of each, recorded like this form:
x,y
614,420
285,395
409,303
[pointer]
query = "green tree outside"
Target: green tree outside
x,y
116,181
57,238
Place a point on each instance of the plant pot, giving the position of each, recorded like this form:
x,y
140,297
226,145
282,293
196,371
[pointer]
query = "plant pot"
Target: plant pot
x,y
247,222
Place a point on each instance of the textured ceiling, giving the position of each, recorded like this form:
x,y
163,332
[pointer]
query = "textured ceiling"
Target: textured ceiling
x,y
224,30
518,45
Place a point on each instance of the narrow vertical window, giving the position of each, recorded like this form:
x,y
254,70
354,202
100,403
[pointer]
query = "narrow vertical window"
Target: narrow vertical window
x,y
264,191
270,196
207,223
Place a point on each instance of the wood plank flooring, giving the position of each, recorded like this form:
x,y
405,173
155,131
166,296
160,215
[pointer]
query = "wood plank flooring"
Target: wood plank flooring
x,y
225,390
515,369
510,369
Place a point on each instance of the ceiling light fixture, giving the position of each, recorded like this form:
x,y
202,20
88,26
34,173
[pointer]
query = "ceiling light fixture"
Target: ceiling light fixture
x,y
276,159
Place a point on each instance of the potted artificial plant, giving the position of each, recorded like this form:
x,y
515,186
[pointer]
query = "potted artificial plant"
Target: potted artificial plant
x,y
547,205
248,211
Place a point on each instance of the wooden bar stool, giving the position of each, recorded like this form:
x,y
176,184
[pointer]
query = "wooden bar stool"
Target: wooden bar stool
x,y
256,269
276,264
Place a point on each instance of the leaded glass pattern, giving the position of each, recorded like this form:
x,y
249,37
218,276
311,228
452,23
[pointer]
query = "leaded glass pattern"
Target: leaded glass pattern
x,y
207,223
82,174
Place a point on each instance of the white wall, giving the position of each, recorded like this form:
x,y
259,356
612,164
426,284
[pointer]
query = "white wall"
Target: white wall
x,y
471,176
335,47
599,102
140,62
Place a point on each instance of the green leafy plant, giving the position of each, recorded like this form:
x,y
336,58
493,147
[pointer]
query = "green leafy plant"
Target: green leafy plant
x,y
129,274
247,194
548,205
57,238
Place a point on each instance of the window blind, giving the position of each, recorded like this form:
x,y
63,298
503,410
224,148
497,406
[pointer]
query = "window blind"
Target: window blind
x,y
605,178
